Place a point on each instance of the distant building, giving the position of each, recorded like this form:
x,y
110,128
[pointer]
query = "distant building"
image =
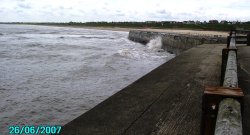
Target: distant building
x,y
188,22
197,22
185,22
213,21
191,22
165,22
223,22
173,22
150,21
234,22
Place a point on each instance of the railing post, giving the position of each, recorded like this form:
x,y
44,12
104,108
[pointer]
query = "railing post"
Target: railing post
x,y
228,41
248,39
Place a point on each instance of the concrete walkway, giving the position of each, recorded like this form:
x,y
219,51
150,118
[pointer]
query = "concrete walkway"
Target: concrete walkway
x,y
168,100
244,84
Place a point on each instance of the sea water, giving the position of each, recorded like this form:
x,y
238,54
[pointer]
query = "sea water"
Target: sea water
x,y
51,75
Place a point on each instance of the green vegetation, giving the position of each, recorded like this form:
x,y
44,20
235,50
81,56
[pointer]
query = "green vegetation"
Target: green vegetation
x,y
158,25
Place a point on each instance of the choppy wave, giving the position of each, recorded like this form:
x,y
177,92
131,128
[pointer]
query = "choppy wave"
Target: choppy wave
x,y
96,37
131,53
34,45
53,32
22,38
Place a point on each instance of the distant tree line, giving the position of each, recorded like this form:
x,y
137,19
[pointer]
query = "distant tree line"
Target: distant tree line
x,y
211,25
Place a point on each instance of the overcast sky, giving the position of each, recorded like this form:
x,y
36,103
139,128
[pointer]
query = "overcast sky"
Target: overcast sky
x,y
122,10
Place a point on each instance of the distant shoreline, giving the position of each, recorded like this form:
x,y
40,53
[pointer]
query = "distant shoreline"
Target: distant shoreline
x,y
127,29
182,31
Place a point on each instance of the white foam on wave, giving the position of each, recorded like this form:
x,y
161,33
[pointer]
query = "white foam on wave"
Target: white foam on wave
x,y
153,50
155,44
132,53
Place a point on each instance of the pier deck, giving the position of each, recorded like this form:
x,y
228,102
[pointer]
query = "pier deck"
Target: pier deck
x,y
168,100
244,84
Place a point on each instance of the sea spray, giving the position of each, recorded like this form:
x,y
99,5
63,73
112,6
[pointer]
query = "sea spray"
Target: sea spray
x,y
155,44
153,50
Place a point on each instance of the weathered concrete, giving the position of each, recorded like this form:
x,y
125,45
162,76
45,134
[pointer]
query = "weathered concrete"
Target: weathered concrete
x,y
244,83
167,100
229,118
231,77
176,43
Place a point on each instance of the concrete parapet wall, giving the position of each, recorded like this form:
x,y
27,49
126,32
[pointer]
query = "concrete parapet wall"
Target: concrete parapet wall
x,y
174,42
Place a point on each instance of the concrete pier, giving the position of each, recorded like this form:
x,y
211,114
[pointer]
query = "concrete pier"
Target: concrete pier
x,y
167,100
244,83
176,42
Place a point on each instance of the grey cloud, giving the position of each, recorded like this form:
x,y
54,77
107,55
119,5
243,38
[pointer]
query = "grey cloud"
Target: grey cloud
x,y
44,11
106,4
106,9
161,15
20,0
118,11
163,11
239,4
157,5
202,8
134,12
222,14
94,11
190,16
185,14
81,11
64,8
120,14
45,7
23,5
75,15
19,11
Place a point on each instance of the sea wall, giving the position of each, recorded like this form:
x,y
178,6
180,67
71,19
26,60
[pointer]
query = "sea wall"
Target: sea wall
x,y
176,42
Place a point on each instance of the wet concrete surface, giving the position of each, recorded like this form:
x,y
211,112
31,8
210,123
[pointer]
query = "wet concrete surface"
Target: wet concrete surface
x,y
167,100
244,83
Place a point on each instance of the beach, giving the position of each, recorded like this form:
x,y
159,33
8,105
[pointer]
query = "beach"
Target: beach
x,y
179,31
